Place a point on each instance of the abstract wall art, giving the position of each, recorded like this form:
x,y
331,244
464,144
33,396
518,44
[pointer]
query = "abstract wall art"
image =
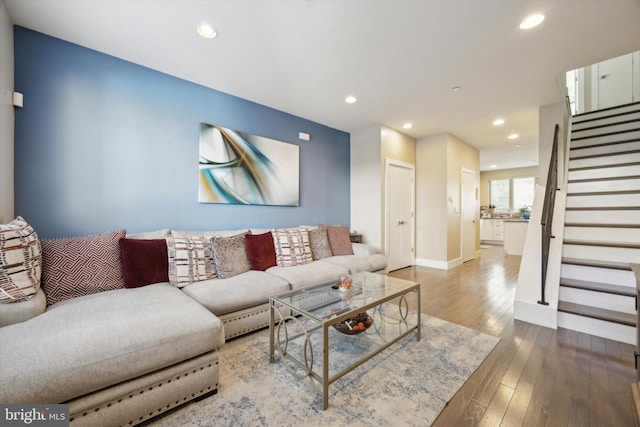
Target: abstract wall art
x,y
240,168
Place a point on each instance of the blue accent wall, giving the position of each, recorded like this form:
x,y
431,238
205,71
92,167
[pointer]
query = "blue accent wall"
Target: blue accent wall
x,y
103,144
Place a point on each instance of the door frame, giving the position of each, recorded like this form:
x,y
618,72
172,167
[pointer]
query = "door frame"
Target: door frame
x,y
397,163
462,208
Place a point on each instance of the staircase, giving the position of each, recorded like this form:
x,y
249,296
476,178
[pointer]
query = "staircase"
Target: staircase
x,y
602,224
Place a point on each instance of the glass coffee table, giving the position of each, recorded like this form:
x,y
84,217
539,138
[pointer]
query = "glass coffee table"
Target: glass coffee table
x,y
323,333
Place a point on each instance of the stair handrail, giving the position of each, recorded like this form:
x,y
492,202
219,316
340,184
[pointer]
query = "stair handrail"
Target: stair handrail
x,y
547,212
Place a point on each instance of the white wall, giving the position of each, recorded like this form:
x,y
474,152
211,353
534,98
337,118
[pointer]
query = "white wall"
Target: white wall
x,y
549,116
6,115
431,201
366,185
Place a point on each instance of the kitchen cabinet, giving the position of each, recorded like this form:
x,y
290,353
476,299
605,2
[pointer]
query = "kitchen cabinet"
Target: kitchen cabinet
x,y
491,229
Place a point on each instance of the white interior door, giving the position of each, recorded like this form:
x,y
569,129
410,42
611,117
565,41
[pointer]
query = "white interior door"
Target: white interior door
x,y
399,202
469,211
615,81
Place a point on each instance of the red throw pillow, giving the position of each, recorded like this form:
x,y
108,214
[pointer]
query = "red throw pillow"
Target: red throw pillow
x,y
144,261
260,249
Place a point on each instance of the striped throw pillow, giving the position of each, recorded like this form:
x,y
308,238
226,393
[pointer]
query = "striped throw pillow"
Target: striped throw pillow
x,y
292,247
190,260
20,261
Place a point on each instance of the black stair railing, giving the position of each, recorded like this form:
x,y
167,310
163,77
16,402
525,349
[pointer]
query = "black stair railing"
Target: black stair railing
x,y
547,212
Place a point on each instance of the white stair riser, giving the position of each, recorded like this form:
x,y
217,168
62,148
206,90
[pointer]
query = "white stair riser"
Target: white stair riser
x,y
606,121
600,275
603,139
627,146
575,201
605,160
599,328
601,234
609,185
603,113
606,130
601,253
617,171
608,217
613,302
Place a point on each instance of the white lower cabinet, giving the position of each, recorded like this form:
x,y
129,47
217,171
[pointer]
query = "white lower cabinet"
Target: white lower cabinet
x,y
492,229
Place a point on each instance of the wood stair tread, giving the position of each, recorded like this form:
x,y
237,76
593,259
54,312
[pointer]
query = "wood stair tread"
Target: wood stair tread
x,y
597,313
603,144
601,244
615,107
601,225
594,263
609,178
605,125
604,134
603,208
604,193
598,287
615,165
615,153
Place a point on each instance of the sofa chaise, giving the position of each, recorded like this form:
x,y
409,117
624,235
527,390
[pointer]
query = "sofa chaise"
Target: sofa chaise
x,y
125,327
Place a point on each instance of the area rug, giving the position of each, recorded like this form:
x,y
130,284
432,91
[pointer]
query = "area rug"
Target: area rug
x,y
407,384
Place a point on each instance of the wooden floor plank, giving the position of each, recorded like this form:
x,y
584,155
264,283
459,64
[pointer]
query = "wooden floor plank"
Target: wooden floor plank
x,y
561,377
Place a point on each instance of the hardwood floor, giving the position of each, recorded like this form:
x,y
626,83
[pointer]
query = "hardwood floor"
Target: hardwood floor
x,y
535,376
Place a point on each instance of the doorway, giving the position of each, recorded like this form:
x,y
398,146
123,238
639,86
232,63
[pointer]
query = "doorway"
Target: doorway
x,y
468,217
399,205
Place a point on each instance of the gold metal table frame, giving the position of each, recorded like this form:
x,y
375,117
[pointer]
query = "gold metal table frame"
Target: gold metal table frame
x,y
316,309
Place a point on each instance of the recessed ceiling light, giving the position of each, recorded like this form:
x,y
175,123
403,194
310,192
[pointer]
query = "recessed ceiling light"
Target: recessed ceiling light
x,y
493,166
531,21
513,136
456,88
498,122
517,146
407,126
350,99
207,31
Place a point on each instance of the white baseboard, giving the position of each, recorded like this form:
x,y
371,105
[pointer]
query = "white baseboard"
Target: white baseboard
x,y
441,265
538,314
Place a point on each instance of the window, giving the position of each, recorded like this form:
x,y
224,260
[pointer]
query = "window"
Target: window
x,y
511,194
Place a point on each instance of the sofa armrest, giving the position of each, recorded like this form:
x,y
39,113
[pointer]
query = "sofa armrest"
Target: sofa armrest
x,y
17,312
362,249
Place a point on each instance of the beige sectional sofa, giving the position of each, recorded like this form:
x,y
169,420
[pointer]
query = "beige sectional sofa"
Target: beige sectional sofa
x,y
121,356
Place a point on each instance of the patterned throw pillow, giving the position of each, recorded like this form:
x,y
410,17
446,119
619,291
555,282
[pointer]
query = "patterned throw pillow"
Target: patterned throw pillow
x,y
230,255
190,260
77,266
292,247
320,243
339,239
20,261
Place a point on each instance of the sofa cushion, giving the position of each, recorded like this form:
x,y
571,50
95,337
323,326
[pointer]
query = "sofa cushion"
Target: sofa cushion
x,y
230,255
20,261
260,250
209,233
339,239
77,266
88,343
190,260
319,240
144,261
292,247
356,263
221,296
314,273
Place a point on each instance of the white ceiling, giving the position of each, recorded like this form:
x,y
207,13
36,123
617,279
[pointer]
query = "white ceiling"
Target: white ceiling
x,y
399,58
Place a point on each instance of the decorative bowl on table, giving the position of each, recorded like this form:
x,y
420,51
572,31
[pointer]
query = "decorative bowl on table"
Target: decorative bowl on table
x,y
354,325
